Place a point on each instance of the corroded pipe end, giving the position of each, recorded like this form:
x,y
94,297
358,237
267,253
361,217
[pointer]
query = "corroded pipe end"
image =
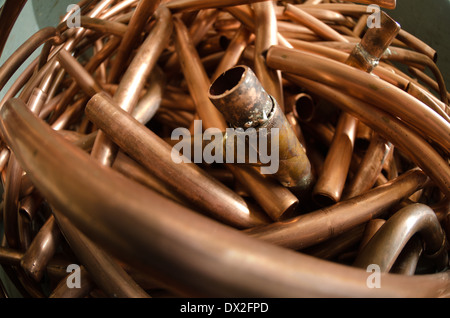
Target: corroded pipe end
x,y
240,97
378,38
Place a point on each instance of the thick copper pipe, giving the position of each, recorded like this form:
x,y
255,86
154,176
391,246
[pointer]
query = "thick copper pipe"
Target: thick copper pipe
x,y
148,149
135,77
9,13
314,227
143,11
10,256
364,86
130,224
266,36
41,250
390,128
385,246
406,262
103,269
244,103
320,28
370,229
263,190
103,26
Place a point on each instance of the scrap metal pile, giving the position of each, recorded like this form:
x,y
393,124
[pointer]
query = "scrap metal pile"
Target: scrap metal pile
x,y
92,182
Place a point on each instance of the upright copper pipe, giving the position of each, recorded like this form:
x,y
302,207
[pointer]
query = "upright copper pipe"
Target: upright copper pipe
x,y
179,246
244,103
143,11
272,197
385,246
266,36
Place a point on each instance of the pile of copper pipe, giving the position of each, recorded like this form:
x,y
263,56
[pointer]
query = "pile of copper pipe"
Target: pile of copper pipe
x,y
89,176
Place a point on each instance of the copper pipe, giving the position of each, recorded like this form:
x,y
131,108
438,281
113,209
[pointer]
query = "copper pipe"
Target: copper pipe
x,y
105,271
417,44
130,222
406,262
369,168
103,26
365,86
134,79
427,98
386,244
10,256
143,11
323,30
244,103
41,250
221,203
370,229
388,4
390,128
190,5
308,229
63,291
427,80
263,190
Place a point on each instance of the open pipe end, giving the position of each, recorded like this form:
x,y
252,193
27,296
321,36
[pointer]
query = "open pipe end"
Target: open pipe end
x,y
240,97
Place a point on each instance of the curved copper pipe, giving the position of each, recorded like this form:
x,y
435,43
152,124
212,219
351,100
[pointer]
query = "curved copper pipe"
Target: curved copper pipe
x,y
406,262
389,127
63,291
417,44
386,244
179,246
364,86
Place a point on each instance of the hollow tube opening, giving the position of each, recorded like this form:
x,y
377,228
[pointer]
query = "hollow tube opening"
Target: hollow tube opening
x,y
227,81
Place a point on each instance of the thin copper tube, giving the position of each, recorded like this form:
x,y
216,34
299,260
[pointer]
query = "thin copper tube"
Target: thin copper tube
x,y
308,229
267,193
323,30
143,11
427,80
385,246
266,36
190,5
41,250
134,79
129,223
427,98
321,14
389,127
365,86
369,168
104,270
103,26
417,44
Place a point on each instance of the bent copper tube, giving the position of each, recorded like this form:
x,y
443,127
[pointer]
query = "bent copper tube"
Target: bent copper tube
x,y
385,246
308,229
148,149
135,77
41,250
180,246
401,136
244,103
364,86
406,262
428,99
